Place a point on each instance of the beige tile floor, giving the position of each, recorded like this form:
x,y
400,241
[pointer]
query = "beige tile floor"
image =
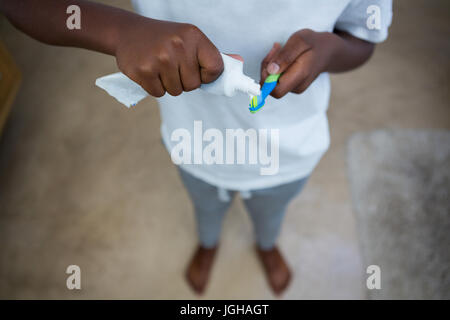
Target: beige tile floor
x,y
85,181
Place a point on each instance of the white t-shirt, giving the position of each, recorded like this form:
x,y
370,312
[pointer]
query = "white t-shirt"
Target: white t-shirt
x,y
250,28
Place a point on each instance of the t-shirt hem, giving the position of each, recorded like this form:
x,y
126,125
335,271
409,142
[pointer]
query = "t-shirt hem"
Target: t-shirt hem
x,y
249,184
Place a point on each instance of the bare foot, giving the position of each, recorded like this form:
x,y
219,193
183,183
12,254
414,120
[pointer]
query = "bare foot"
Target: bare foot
x,y
277,271
199,268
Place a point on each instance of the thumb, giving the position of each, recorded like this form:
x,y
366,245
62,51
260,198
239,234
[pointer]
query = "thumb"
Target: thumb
x,y
235,56
275,48
287,55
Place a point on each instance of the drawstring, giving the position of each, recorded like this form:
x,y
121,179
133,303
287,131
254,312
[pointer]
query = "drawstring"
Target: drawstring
x,y
224,195
245,194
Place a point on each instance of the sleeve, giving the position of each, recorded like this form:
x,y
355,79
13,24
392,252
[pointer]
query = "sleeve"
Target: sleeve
x,y
366,19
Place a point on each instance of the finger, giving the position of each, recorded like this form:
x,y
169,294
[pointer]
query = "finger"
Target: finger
x,y
308,77
303,86
293,48
275,48
148,78
297,73
153,86
210,61
190,74
170,78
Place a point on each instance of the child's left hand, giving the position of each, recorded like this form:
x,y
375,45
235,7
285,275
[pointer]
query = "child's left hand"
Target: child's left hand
x,y
301,60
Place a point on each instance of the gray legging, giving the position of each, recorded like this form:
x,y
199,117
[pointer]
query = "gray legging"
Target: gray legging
x,y
266,207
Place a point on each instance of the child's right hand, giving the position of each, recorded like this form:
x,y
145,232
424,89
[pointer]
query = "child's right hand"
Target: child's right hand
x,y
166,56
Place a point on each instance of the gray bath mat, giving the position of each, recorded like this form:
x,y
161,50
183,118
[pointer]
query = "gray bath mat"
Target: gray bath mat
x,y
400,182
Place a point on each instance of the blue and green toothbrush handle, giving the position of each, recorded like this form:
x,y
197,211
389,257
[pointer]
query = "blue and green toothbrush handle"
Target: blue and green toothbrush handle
x,y
257,102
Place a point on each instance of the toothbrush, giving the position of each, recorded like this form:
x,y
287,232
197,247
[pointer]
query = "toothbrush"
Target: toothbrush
x,y
257,102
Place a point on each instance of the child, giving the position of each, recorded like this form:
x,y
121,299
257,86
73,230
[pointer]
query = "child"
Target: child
x,y
174,46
